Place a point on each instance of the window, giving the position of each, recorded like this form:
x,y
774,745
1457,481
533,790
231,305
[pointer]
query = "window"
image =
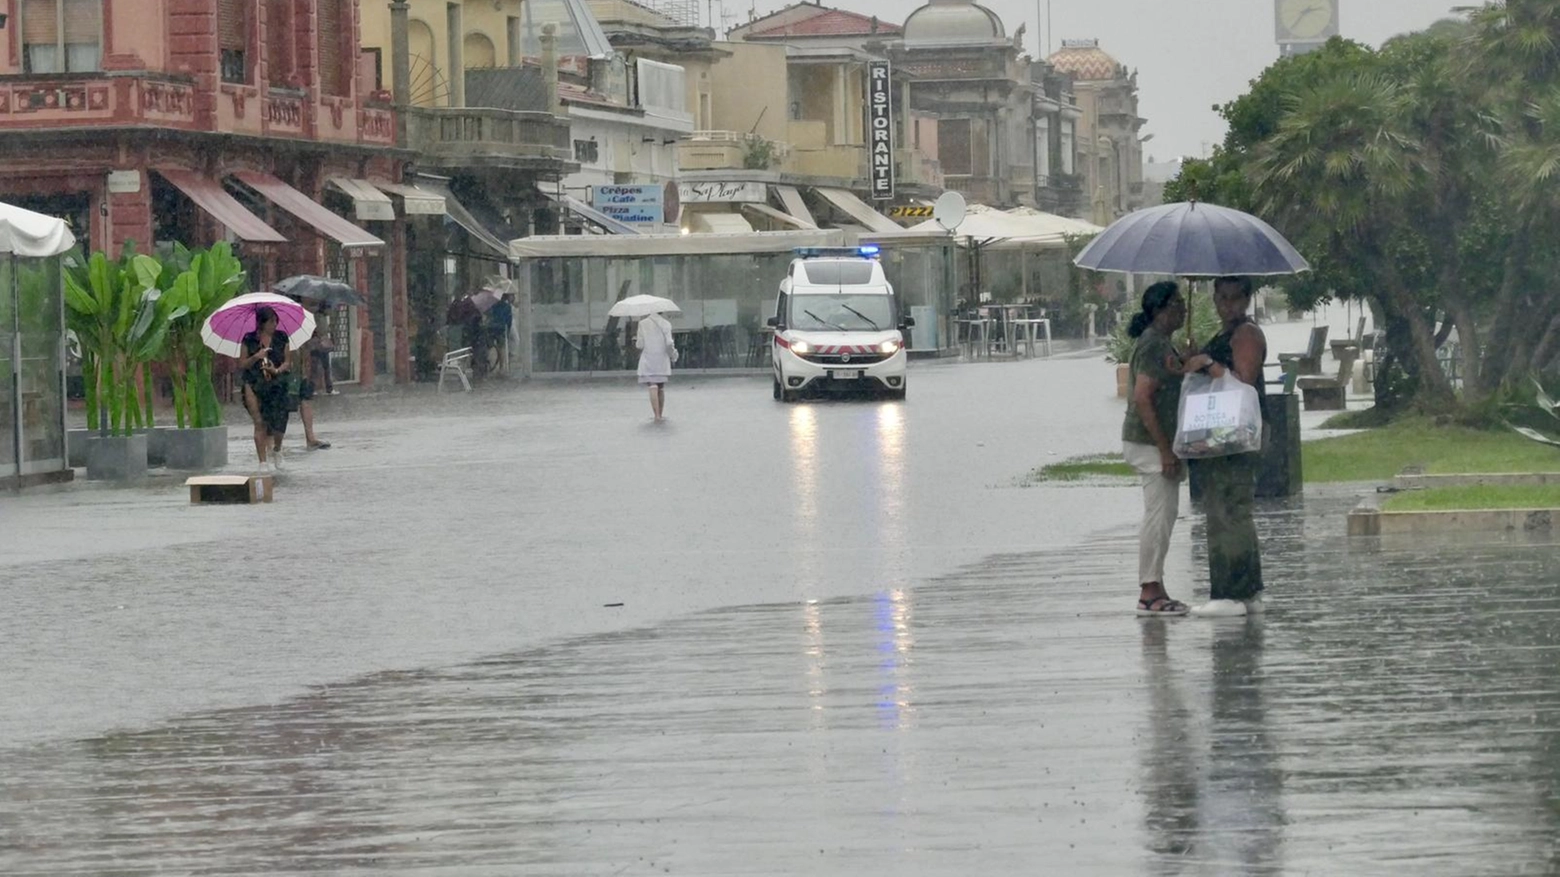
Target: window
x,y
481,54
586,152
953,146
233,40
1043,146
331,23
1068,150
278,37
62,36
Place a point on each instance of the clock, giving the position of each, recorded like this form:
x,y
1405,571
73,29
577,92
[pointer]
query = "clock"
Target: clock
x,y
1307,21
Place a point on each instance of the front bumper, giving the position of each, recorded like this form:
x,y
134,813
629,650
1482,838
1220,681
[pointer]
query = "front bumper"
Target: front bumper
x,y
796,373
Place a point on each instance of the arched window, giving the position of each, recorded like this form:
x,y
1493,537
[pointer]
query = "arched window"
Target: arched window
x,y
480,52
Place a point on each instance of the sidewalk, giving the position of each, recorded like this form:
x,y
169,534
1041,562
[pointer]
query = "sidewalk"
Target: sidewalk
x,y
1396,710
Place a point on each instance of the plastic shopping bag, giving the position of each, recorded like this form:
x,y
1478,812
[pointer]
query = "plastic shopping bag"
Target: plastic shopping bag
x,y
1219,417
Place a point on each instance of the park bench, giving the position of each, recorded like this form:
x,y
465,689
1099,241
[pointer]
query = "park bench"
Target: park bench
x,y
1309,362
457,361
1322,393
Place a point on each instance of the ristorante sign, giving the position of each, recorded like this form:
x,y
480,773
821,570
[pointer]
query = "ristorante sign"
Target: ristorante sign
x,y
880,129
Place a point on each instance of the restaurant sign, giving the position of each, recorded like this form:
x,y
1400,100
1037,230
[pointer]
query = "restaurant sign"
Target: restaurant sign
x,y
880,129
912,211
635,205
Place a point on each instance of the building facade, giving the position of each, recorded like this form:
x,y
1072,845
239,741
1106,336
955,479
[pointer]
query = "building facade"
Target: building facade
x,y
152,121
1110,147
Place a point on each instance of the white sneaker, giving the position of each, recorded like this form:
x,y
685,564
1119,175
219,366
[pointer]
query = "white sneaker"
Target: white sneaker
x,y
264,468
276,461
1220,609
1254,605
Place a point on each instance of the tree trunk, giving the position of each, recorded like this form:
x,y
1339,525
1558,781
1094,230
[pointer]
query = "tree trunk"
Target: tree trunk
x,y
1468,339
1548,347
1497,363
1433,391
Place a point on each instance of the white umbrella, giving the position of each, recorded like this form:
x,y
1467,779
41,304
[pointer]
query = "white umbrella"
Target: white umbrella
x,y
643,306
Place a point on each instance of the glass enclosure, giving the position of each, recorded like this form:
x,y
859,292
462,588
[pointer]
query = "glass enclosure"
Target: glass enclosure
x,y
725,300
32,411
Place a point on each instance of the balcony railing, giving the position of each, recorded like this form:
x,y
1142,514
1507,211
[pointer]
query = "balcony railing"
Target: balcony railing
x,y
730,150
466,137
93,100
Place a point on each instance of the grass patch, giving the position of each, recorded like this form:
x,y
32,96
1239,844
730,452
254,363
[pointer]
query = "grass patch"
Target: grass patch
x,y
1364,418
1440,450
1476,496
1085,468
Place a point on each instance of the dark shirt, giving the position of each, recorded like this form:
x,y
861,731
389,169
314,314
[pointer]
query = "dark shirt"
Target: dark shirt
x,y
277,354
1221,349
1149,357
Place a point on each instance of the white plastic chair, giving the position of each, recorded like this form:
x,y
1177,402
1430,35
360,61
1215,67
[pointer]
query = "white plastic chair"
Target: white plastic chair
x,y
456,361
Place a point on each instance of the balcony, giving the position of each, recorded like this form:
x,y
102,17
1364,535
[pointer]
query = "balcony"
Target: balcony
x,y
96,100
503,139
730,150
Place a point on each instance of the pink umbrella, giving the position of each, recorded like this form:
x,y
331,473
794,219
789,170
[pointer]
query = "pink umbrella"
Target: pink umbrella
x,y
225,330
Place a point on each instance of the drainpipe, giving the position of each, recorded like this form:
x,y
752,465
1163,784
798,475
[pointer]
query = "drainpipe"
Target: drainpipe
x,y
400,65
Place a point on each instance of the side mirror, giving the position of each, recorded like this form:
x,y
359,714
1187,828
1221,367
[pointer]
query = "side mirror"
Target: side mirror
x,y
773,322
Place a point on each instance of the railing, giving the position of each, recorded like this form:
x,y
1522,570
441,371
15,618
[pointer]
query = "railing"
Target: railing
x,y
487,136
727,150
95,100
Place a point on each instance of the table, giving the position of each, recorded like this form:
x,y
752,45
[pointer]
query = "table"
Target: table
x,y
1032,325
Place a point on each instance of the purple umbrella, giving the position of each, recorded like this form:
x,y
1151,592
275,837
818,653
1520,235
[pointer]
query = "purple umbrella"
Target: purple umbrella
x,y
1191,240
225,330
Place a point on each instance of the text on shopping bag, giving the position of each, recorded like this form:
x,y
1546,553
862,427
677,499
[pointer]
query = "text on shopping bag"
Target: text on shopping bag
x,y
1213,411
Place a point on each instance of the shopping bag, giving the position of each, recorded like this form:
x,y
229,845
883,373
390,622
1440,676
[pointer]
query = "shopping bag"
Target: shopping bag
x,y
1219,417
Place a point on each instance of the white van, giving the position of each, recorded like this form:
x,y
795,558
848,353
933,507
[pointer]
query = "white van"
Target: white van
x,y
838,325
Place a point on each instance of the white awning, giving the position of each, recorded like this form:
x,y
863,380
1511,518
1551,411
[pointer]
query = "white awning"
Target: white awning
x,y
858,210
368,202
556,246
32,235
464,218
768,212
718,223
415,201
794,205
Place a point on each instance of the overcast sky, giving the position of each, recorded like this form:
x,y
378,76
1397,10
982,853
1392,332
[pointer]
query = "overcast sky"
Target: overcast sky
x,y
1190,54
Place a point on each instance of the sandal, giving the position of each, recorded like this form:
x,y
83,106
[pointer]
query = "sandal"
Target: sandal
x,y
320,446
1161,605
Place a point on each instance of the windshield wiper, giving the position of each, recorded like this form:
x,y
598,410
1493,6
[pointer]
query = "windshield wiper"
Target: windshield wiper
x,y
822,322
864,317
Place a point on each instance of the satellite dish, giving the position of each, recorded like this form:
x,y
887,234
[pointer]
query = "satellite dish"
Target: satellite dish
x,y
949,211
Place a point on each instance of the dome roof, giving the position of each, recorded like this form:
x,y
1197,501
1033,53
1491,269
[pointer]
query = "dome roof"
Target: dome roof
x,y
953,21
1085,61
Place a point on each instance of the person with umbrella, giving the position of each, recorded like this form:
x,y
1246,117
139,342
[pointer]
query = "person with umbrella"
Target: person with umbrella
x,y
1234,555
266,358
657,348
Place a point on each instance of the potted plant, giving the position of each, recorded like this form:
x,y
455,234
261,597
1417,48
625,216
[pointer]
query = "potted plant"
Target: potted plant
x,y
196,285
112,307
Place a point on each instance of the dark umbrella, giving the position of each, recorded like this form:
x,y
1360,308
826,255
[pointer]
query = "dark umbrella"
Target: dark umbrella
x,y
321,289
1191,240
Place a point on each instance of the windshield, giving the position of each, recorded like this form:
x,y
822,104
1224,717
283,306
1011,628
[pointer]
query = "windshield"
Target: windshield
x,y
841,313
852,273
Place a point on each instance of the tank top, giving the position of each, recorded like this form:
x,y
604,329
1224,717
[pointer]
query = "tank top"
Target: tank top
x,y
1221,349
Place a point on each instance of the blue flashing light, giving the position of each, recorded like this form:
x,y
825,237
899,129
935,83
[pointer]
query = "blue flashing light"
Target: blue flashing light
x,y
870,250
866,251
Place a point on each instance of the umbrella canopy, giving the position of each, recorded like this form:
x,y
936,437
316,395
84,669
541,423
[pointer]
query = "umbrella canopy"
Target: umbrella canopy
x,y
32,235
1016,227
1191,240
643,306
321,289
224,330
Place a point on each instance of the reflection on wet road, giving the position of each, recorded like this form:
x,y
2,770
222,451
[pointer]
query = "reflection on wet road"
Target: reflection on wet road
x,y
1396,710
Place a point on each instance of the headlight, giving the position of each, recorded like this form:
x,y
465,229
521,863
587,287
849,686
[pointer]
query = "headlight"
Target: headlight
x,y
889,347
801,348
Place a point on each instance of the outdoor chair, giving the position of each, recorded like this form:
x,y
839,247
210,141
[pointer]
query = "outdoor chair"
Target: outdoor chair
x,y
1328,393
457,361
1309,362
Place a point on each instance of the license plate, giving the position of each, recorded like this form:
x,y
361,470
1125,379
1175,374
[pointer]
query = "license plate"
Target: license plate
x,y
845,375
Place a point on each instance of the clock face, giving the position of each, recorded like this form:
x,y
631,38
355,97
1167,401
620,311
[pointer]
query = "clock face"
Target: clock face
x,y
1307,19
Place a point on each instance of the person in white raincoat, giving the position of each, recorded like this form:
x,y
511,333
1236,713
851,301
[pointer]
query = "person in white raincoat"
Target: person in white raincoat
x,y
657,352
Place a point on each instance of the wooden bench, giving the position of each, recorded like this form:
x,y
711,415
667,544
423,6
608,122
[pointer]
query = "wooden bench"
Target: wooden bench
x,y
230,489
1309,362
1325,393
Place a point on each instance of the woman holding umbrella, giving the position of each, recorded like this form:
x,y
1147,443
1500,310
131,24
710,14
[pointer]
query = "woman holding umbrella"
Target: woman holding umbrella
x,y
657,349
265,359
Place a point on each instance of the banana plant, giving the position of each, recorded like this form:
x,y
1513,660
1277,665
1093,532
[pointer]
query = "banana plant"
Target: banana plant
x,y
196,285
113,309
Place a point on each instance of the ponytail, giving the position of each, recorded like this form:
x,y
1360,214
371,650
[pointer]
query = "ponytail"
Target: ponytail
x,y
1154,300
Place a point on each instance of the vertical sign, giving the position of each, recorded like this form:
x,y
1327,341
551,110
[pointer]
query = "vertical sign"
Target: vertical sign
x,y
880,129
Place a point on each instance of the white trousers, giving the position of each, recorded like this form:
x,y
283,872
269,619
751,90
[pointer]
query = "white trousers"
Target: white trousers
x,y
1161,505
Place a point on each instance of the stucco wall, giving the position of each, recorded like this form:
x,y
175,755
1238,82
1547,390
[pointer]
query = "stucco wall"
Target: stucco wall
x,y
750,89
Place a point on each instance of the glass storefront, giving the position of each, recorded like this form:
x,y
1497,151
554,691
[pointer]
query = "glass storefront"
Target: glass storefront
x,y
725,300
32,411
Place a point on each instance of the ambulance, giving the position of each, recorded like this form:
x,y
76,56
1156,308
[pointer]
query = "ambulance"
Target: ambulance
x,y
838,326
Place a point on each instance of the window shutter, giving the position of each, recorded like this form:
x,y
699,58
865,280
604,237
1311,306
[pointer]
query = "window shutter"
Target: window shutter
x,y
329,29
277,37
232,25
40,22
83,21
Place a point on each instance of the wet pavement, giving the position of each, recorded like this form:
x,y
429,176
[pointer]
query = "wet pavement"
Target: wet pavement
x,y
850,643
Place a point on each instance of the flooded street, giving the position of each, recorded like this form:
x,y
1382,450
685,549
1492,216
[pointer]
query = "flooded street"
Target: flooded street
x,y
850,641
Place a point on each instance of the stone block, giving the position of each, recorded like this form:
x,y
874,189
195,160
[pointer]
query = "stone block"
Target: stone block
x,y
116,458
196,449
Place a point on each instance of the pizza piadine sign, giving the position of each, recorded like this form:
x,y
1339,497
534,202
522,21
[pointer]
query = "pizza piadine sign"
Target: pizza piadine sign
x,y
880,129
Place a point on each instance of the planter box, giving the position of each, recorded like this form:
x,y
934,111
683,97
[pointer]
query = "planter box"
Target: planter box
x,y
76,447
116,458
196,449
157,445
